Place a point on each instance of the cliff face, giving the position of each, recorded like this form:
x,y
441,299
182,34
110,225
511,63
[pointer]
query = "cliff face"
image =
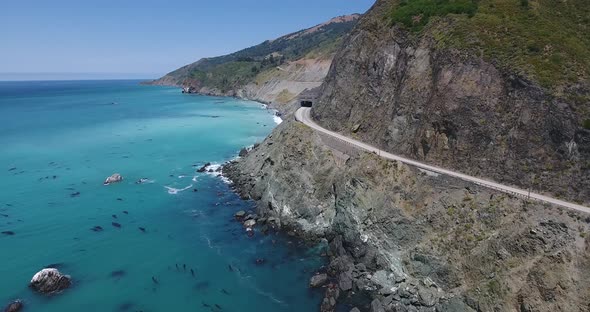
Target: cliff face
x,y
417,95
417,241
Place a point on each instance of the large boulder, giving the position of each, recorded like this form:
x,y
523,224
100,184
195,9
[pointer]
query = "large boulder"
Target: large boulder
x,y
14,306
318,280
48,281
240,214
113,179
345,281
250,223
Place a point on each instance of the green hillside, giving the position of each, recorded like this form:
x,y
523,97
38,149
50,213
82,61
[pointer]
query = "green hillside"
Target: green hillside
x,y
546,40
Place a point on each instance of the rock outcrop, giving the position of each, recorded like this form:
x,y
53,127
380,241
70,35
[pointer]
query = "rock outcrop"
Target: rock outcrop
x,y
50,281
204,168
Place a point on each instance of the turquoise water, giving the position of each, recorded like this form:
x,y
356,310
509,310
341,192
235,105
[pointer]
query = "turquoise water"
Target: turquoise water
x,y
60,140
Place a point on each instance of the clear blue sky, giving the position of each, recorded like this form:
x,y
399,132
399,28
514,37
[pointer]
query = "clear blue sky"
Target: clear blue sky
x,y
144,38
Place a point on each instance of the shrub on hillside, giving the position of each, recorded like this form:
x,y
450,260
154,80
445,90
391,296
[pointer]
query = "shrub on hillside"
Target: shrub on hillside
x,y
415,14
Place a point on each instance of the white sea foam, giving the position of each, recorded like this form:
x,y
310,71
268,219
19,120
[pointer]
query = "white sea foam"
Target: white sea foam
x,y
194,179
145,181
213,167
217,172
263,106
277,119
270,296
174,191
211,246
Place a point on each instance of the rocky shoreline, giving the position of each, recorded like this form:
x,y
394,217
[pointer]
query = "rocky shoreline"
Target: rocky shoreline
x,y
341,273
346,266
432,243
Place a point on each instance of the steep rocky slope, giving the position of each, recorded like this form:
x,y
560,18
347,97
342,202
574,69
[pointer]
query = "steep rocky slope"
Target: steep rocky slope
x,y
275,71
414,240
448,95
445,89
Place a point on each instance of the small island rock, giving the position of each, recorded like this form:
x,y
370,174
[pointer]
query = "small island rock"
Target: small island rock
x,y
49,281
113,179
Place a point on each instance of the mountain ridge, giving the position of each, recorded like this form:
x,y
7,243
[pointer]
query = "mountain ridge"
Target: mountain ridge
x,y
290,63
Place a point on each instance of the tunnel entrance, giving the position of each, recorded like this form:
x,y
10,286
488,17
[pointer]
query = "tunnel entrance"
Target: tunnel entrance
x,y
306,103
308,97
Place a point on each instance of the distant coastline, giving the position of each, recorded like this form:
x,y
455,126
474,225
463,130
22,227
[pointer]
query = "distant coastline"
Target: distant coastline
x,y
75,76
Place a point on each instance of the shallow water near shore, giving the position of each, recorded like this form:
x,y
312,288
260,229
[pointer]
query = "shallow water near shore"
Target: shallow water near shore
x,y
60,140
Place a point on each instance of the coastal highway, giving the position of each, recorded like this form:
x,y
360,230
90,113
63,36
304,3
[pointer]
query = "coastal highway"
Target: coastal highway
x,y
303,115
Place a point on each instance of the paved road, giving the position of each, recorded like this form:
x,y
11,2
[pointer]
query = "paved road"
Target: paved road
x,y
303,115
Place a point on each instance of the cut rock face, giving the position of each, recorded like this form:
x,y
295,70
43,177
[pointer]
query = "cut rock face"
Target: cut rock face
x,y
49,281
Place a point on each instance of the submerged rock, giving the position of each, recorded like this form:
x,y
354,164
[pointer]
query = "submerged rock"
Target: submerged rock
x,y
50,280
14,306
113,179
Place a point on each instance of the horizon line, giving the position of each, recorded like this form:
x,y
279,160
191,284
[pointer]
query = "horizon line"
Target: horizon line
x,y
74,76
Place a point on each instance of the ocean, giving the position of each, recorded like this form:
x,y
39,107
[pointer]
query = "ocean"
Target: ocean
x,y
59,140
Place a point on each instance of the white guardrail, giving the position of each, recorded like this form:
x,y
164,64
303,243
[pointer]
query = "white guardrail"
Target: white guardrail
x,y
303,115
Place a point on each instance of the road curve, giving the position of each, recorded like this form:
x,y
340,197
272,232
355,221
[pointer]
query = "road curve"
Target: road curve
x,y
303,115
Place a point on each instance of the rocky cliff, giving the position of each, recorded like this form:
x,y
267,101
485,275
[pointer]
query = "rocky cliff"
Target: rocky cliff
x,y
445,89
431,97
